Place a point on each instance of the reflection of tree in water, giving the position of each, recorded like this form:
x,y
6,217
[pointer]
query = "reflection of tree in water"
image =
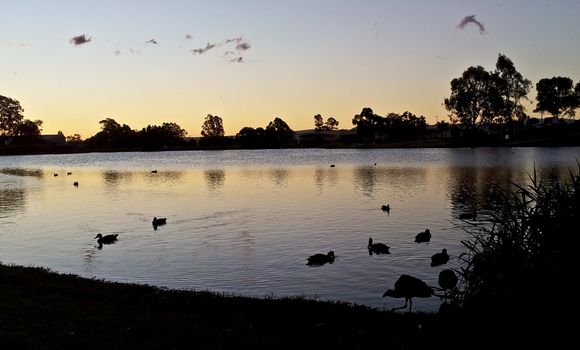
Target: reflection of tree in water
x,y
322,175
279,176
214,179
368,177
166,176
482,189
11,200
112,177
22,172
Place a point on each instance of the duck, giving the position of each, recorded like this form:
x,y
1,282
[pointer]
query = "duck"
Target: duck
x,y
447,280
154,171
108,239
76,184
321,259
409,287
386,208
159,221
332,165
468,216
439,258
377,248
423,236
68,173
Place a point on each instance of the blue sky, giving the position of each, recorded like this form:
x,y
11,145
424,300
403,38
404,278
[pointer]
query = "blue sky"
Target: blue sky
x,y
302,58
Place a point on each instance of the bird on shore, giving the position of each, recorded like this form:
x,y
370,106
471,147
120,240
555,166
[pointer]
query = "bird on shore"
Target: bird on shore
x,y
377,248
439,258
108,239
158,222
447,280
468,216
409,287
386,208
321,259
423,236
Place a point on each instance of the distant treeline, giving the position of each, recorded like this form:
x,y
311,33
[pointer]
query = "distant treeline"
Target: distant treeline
x,y
485,109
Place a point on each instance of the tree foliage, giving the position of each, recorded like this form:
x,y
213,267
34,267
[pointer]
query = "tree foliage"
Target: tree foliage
x,y
475,98
370,125
10,116
28,128
212,126
557,96
513,88
320,125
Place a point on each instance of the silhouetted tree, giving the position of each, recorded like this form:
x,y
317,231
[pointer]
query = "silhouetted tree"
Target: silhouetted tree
x,y
10,115
212,127
28,128
166,135
366,123
76,138
278,132
321,125
475,98
557,96
114,135
513,87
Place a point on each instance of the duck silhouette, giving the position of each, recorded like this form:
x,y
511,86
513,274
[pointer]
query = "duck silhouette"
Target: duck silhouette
x,y
377,248
321,259
76,184
108,239
447,280
159,221
440,258
409,287
386,208
423,236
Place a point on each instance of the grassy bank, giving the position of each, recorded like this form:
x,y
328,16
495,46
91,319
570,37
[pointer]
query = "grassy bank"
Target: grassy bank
x,y
40,309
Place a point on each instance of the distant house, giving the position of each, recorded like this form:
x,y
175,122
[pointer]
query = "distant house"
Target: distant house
x,y
54,140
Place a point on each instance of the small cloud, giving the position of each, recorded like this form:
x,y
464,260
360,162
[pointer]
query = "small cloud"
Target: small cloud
x,y
152,41
237,40
117,52
237,60
243,46
188,36
471,19
203,50
80,40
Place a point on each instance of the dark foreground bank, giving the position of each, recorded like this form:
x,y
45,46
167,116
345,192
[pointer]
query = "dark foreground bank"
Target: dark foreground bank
x,y
44,310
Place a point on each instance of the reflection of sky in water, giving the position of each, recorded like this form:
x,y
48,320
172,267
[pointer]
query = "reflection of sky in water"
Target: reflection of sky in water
x,y
245,221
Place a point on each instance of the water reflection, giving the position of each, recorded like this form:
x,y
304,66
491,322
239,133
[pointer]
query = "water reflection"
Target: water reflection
x,y
322,175
22,172
115,178
214,179
167,176
366,178
278,177
11,200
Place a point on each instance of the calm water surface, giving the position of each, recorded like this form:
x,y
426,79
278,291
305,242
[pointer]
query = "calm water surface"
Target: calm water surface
x,y
244,222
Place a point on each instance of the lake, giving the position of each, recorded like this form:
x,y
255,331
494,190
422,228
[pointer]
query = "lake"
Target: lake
x,y
244,221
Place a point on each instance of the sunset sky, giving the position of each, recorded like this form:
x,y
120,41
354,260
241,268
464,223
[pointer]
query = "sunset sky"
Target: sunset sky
x,y
148,62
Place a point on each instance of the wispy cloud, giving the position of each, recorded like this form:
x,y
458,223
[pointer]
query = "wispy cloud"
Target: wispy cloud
x,y
243,46
203,50
188,36
471,19
151,41
239,59
80,40
118,52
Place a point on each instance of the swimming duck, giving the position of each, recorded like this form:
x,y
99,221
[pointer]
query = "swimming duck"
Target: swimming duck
x,y
447,280
76,184
159,221
423,236
409,287
386,208
440,258
108,239
377,248
321,259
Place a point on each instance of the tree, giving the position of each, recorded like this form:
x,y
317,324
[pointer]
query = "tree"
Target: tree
x,y
318,123
513,87
367,122
278,131
475,98
212,127
114,135
557,96
28,128
76,138
10,115
321,125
